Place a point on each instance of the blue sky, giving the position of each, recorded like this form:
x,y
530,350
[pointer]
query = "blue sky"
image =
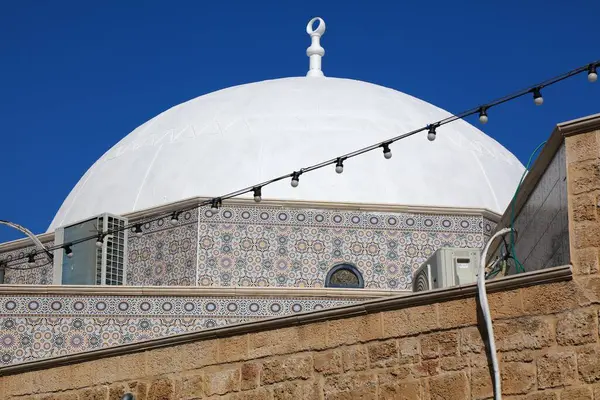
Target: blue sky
x,y
76,76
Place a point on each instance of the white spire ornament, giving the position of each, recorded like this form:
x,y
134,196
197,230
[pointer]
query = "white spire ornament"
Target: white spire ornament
x,y
315,52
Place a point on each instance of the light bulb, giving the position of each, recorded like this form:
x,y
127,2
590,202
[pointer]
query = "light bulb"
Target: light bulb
x,y
537,97
295,179
174,218
431,133
592,74
31,260
257,194
138,230
99,241
387,153
68,251
214,207
483,117
339,166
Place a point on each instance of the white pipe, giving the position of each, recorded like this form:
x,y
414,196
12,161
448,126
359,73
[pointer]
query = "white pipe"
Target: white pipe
x,y
30,235
485,307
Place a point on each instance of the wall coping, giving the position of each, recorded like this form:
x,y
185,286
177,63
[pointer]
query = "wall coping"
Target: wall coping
x,y
543,276
274,203
178,291
580,125
306,204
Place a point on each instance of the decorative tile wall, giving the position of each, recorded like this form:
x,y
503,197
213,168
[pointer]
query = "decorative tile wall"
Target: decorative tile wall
x,y
262,247
41,274
34,327
165,255
489,228
542,224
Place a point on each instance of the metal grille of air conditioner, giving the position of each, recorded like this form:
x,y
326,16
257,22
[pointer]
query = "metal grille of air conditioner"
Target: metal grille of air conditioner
x,y
114,256
421,282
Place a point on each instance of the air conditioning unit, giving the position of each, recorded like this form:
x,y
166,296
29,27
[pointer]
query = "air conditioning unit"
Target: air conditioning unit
x,y
88,263
447,267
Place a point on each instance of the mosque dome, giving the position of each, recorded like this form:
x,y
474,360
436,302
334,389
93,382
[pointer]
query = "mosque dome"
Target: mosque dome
x,y
243,135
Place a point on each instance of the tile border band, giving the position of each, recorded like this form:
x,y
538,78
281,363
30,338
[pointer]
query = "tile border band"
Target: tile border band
x,y
550,275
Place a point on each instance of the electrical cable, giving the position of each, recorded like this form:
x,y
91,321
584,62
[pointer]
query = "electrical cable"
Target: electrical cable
x,y
519,267
535,89
5,266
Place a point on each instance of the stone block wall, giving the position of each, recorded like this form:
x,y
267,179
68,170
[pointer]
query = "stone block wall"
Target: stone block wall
x,y
547,339
583,185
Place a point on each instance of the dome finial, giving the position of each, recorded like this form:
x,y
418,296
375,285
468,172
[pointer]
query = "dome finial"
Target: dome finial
x,y
315,51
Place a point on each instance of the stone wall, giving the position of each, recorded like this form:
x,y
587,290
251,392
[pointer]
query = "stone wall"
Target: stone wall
x,y
547,338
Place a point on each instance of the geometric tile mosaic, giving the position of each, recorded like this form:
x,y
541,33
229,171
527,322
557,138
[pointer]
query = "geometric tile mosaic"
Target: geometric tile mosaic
x,y
44,326
261,246
265,247
165,255
39,275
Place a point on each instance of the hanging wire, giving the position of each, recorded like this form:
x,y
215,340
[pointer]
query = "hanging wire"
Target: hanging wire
x,y
462,115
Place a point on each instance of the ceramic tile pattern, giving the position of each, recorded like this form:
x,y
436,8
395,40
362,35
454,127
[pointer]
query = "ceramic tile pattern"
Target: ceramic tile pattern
x,y
542,224
34,327
258,246
166,254
264,247
40,275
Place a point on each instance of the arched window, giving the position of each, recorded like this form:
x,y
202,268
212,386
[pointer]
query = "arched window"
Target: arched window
x,y
344,276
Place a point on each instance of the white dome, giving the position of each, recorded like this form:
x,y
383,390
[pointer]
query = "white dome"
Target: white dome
x,y
243,135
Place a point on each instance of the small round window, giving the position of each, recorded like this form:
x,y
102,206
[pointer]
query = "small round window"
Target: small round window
x,y
344,276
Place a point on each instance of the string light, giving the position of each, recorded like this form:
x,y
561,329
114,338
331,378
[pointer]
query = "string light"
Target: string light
x,y
387,153
100,240
431,133
537,96
257,194
339,166
295,179
31,260
137,229
590,68
483,117
592,74
68,251
174,218
214,207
